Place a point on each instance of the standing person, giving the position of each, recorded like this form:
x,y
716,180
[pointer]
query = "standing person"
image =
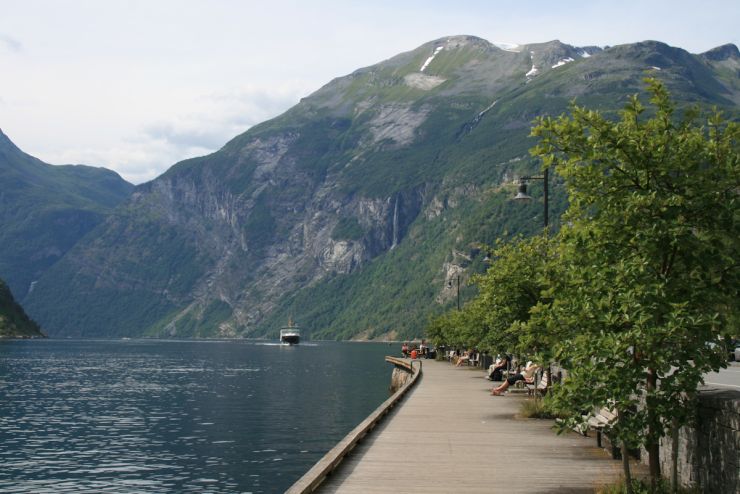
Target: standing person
x,y
405,349
423,348
526,375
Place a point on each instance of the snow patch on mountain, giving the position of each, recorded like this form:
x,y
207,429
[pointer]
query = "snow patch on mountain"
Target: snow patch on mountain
x,y
488,108
534,70
584,54
429,60
562,62
507,46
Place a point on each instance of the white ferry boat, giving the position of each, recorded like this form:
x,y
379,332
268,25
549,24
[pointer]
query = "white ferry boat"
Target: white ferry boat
x,y
290,334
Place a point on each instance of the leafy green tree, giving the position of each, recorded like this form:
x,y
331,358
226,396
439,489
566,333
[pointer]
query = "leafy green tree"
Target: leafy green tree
x,y
446,329
497,318
510,289
648,273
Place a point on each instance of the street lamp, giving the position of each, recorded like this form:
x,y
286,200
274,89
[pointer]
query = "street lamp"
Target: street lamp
x,y
524,197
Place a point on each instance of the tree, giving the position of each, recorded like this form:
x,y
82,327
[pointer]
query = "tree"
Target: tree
x,y
507,293
496,318
648,259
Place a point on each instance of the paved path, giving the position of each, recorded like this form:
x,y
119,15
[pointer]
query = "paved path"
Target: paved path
x,y
725,378
449,435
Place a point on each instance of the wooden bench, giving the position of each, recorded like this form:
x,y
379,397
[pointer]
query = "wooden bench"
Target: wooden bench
x,y
602,420
540,387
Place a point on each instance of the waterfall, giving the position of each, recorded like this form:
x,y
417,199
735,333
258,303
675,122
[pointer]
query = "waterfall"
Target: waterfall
x,y
394,242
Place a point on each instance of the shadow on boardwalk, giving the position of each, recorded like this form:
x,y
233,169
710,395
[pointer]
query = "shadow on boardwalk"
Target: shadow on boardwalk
x,y
450,435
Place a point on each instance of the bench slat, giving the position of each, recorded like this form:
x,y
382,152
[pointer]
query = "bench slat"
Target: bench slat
x,y
595,423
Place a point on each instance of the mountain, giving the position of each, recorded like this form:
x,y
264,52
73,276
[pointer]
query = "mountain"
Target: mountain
x,y
355,211
14,323
45,210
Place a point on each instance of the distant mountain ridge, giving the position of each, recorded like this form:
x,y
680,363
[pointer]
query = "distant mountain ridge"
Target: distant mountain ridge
x,y
354,209
46,209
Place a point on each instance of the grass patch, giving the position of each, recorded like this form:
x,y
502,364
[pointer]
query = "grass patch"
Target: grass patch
x,y
540,408
642,486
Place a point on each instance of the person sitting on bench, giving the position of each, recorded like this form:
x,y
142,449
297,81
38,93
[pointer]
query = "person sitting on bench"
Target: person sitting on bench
x,y
465,357
526,375
495,370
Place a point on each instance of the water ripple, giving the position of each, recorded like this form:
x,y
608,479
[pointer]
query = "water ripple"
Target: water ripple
x,y
152,416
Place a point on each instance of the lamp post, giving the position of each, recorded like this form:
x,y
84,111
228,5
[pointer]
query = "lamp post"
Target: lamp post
x,y
524,197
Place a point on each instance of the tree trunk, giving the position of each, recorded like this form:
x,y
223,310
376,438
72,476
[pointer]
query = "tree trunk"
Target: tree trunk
x,y
625,460
674,456
652,446
626,468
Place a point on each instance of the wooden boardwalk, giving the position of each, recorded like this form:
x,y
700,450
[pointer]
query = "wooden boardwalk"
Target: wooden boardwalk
x,y
449,435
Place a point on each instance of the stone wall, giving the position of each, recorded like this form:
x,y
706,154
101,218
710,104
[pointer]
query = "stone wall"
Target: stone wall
x,y
399,378
709,452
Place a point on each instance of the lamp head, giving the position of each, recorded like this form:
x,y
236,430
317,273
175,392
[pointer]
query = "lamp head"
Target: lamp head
x,y
522,194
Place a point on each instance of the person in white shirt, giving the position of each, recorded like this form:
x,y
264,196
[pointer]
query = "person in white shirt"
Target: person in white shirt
x,y
526,375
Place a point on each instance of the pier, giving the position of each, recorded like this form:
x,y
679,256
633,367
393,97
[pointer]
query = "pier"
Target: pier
x,y
448,435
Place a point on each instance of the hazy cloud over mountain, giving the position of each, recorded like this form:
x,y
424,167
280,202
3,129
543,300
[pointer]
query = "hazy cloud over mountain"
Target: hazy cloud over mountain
x,y
138,85
11,44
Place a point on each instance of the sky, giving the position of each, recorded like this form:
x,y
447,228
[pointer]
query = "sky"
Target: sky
x,y
136,86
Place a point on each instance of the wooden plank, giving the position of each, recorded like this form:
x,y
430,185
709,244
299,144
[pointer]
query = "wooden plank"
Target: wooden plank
x,y
449,435
609,415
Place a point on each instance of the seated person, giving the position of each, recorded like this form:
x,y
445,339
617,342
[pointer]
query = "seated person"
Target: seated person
x,y
464,357
495,370
526,375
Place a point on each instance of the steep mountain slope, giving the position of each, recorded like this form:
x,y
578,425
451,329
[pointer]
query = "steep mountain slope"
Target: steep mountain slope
x,y
14,323
353,210
46,209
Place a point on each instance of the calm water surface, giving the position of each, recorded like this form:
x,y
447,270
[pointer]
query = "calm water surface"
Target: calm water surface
x,y
177,416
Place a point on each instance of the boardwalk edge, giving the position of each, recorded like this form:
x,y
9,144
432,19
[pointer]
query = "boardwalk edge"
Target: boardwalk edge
x,y
311,480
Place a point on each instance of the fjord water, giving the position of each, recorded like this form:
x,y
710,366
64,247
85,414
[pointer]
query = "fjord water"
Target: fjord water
x,y
178,416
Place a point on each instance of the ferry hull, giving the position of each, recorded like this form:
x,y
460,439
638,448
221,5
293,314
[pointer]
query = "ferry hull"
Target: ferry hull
x,y
290,339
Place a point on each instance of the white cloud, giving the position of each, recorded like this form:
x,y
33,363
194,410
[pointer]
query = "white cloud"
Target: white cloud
x,y
136,86
10,44
211,120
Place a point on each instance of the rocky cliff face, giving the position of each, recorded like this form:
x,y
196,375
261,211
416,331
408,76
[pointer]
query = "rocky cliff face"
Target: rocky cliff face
x,y
347,211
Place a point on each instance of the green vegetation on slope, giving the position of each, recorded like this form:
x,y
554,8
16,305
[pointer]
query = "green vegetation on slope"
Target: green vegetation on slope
x,y
45,210
14,323
413,181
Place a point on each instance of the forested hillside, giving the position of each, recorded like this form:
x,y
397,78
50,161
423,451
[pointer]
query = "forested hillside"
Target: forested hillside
x,y
356,210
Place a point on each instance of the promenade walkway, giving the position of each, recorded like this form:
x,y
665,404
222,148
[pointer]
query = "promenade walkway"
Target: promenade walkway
x,y
449,435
